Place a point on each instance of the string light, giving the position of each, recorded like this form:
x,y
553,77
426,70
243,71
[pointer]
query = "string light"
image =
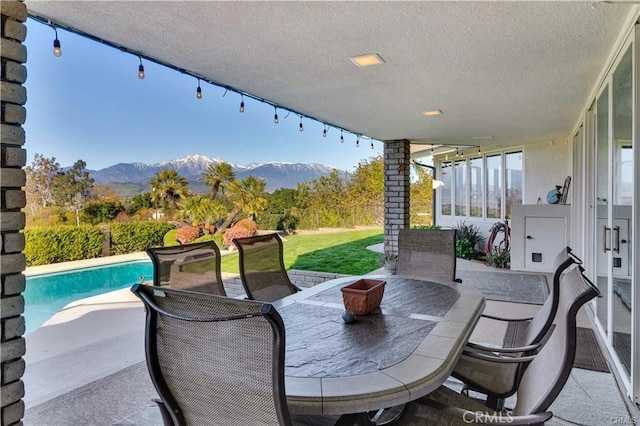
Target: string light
x,y
479,151
199,91
141,69
57,50
432,150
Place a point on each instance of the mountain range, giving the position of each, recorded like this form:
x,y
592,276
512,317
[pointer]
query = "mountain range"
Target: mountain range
x,y
129,179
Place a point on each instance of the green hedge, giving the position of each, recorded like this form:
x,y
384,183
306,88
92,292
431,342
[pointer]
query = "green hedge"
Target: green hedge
x,y
137,236
53,244
49,244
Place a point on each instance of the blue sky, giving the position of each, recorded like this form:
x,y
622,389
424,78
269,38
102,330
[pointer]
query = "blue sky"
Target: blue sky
x,y
89,104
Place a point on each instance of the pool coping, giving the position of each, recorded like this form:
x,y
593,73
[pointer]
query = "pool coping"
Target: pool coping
x,y
85,263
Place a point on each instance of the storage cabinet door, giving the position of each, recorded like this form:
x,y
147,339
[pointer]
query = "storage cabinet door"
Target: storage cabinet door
x,y
544,238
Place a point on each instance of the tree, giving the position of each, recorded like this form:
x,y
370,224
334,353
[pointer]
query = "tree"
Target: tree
x,y
248,196
219,176
101,211
139,202
366,185
421,208
168,187
40,176
73,187
199,209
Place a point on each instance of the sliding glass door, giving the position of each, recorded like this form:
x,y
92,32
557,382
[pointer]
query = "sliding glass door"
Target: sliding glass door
x,y
614,186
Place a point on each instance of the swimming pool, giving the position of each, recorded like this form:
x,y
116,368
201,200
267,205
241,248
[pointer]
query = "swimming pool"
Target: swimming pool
x,y
46,294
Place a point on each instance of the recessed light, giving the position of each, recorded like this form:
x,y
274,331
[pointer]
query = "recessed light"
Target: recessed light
x,y
367,60
432,112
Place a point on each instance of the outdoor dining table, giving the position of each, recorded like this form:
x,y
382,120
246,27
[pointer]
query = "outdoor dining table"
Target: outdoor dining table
x,y
400,352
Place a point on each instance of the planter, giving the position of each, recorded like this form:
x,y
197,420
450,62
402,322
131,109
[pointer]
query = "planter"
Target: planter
x,y
363,296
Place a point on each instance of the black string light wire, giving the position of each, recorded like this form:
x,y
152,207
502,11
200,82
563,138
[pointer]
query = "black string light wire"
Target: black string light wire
x,y
141,73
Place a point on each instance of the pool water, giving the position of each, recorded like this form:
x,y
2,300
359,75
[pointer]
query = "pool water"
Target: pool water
x,y
48,293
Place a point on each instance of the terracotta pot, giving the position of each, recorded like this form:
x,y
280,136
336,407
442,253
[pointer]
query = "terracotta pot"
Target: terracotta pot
x,y
363,296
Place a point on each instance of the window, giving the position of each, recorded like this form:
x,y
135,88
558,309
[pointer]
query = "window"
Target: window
x,y
513,180
445,193
461,188
482,187
494,186
476,190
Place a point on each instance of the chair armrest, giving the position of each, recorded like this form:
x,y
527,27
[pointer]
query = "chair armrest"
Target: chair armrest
x,y
506,319
296,287
502,350
487,418
498,358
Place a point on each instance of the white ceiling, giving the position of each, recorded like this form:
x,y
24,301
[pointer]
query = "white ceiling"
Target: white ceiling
x,y
518,71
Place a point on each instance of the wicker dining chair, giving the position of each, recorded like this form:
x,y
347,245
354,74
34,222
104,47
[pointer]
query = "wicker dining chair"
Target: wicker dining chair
x,y
262,270
499,381
194,267
428,253
214,360
540,384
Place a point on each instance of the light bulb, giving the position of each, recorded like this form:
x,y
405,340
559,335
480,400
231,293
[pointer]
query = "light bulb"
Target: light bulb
x,y
324,133
57,51
275,117
372,145
242,106
301,127
341,137
358,142
199,91
141,72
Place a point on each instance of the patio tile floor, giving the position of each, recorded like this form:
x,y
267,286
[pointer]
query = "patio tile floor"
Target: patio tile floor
x,y
87,368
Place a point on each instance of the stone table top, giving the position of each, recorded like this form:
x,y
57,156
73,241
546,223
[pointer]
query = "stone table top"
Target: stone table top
x,y
401,351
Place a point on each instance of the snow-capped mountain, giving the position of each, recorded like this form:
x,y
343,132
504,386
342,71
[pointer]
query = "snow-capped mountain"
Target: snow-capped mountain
x,y
277,175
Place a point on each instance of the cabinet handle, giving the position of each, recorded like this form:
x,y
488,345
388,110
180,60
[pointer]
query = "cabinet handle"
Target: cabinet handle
x,y
604,239
616,230
529,237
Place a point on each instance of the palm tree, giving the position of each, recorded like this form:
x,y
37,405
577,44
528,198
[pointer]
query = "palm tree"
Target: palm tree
x,y
200,209
168,187
218,176
248,196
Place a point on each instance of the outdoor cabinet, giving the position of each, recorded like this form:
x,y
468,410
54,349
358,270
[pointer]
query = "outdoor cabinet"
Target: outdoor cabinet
x,y
538,233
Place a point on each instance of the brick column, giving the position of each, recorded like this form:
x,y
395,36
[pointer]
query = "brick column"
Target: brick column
x,y
13,157
396,191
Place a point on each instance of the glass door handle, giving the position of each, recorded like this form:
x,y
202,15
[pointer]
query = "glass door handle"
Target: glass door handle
x,y
616,230
604,239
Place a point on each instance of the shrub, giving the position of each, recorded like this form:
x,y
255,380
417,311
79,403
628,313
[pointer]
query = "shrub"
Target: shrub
x,y
187,234
242,229
137,236
499,258
53,244
170,239
468,237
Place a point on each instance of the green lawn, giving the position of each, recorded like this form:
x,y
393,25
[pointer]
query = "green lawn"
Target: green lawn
x,y
339,252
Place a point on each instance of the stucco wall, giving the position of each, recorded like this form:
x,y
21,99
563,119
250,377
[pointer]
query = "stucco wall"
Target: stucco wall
x,y
545,164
